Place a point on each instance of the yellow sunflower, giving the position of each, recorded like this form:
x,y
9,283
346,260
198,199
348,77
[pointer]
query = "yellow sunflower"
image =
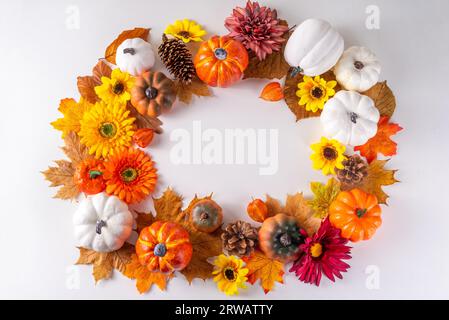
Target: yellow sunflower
x,y
230,274
328,155
73,113
314,92
116,89
106,129
186,30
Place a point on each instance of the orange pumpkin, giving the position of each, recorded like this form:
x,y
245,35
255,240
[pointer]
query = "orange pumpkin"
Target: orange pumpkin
x,y
153,93
220,61
257,210
164,247
356,213
89,176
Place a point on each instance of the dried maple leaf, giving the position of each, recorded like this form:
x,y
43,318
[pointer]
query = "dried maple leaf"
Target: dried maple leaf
x,y
185,92
62,174
262,268
73,113
111,50
273,66
144,121
87,84
292,100
274,206
383,98
381,142
105,263
169,206
143,220
324,195
272,92
377,177
144,277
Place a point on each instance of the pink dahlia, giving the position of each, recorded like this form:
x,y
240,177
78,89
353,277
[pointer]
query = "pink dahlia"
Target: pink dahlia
x,y
257,28
322,253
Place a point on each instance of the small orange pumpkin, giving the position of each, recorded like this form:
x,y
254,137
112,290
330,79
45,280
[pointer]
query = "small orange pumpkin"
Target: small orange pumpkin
x,y
153,93
164,247
220,61
257,210
89,176
356,213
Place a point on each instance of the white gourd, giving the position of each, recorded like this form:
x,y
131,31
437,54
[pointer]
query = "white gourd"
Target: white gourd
x,y
102,223
358,69
350,118
314,47
135,56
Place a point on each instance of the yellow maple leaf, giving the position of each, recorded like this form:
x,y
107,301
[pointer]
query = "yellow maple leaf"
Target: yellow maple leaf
x,y
324,195
265,269
73,112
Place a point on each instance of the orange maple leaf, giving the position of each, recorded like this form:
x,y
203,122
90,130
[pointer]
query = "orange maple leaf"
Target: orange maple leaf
x,y
266,269
381,142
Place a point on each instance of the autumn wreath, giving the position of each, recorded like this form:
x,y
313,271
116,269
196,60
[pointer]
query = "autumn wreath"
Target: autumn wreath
x,y
109,129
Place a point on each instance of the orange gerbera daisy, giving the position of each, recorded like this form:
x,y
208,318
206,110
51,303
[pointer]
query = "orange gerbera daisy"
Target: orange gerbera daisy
x,y
130,175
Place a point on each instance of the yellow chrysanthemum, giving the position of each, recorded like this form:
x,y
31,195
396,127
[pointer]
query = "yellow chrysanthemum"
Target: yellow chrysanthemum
x,y
186,30
314,92
73,113
230,274
116,89
328,155
106,129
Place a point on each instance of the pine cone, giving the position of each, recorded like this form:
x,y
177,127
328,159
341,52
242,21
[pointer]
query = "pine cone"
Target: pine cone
x,y
177,58
354,171
239,239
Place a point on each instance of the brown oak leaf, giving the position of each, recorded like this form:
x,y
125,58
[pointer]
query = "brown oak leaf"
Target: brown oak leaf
x,y
265,269
377,177
144,121
292,100
383,97
87,84
185,92
111,50
273,66
105,263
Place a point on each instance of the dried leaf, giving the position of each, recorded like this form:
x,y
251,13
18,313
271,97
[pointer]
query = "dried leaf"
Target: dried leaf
x,y
324,195
105,263
383,98
292,100
111,50
73,113
262,268
381,142
168,207
73,148
185,92
101,70
144,121
87,84
377,177
144,277
272,92
143,220
273,66
274,206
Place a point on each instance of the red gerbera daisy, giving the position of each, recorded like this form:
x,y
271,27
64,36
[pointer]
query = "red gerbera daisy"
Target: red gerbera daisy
x,y
130,175
322,253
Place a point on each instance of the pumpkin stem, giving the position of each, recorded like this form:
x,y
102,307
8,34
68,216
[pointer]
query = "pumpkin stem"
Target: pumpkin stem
x,y
360,212
359,65
220,53
354,116
295,71
285,239
131,51
99,226
93,174
160,250
204,216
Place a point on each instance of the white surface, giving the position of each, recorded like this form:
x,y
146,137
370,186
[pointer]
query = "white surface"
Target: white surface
x,y
41,58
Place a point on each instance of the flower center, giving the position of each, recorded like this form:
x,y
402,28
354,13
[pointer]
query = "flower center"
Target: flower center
x,y
359,65
229,274
160,250
108,130
220,53
184,34
129,174
94,174
329,153
317,92
316,250
118,88
151,93
360,212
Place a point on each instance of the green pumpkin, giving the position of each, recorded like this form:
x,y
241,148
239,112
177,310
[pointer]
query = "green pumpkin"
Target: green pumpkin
x,y
206,216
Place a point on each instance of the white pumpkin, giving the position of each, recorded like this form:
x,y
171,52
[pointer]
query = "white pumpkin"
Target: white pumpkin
x,y
350,118
314,47
135,56
358,69
102,223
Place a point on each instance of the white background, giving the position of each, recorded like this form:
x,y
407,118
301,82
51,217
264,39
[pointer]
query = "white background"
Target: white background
x,y
40,59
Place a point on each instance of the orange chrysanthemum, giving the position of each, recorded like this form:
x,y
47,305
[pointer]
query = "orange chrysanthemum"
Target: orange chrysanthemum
x,y
130,175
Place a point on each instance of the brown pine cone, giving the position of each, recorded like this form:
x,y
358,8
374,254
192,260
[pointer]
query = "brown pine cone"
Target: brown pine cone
x,y
239,239
354,171
177,58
